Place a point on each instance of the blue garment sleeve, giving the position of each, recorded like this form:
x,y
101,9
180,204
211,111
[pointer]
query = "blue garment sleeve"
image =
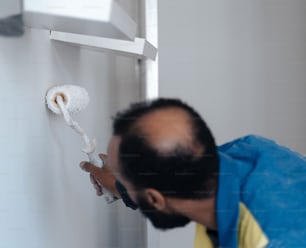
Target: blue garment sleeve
x,y
125,197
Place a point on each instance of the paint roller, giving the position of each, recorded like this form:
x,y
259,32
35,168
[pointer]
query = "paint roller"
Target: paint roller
x,y
70,99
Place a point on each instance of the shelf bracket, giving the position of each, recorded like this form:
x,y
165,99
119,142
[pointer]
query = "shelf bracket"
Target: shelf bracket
x,y
139,48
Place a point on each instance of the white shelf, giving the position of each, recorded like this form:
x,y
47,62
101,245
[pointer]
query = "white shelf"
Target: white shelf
x,y
9,8
103,18
139,48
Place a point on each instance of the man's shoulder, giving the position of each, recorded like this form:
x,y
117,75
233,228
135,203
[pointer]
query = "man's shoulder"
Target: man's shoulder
x,y
250,138
246,142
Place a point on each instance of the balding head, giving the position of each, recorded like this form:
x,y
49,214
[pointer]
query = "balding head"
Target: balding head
x,y
167,140
167,129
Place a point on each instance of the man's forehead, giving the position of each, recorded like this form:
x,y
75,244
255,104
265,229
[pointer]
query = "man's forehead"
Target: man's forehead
x,y
113,145
113,152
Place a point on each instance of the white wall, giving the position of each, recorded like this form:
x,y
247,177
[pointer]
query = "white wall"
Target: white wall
x,y
46,200
242,64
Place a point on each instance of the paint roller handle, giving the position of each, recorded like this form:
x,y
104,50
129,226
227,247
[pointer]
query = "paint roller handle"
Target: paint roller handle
x,y
95,160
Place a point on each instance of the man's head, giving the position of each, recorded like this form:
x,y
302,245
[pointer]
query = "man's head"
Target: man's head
x,y
163,149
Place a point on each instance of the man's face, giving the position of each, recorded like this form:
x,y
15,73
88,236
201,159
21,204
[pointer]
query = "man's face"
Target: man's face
x,y
158,218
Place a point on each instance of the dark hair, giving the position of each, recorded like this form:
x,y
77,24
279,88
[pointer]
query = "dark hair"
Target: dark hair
x,y
179,173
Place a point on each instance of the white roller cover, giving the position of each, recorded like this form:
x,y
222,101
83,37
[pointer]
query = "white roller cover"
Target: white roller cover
x,y
74,97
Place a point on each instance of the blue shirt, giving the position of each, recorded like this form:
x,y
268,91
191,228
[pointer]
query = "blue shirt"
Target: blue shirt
x,y
270,180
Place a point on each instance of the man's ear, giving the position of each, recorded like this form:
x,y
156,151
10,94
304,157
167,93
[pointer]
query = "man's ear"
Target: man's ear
x,y
155,198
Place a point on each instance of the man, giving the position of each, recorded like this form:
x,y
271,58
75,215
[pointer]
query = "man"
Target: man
x,y
162,158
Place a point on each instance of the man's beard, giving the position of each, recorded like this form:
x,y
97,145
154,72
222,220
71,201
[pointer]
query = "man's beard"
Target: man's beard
x,y
161,220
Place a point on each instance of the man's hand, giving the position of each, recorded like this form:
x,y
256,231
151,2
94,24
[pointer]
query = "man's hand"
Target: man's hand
x,y
101,177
